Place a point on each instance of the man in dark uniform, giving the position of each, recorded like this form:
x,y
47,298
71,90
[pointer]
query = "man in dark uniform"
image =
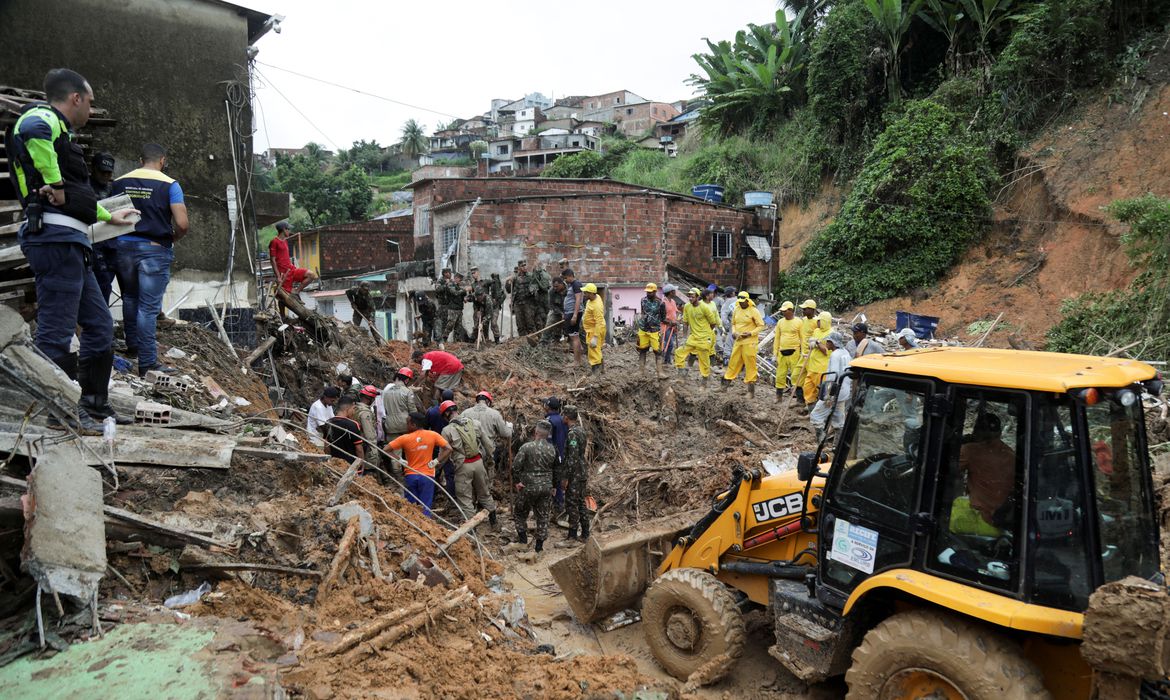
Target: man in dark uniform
x,y
52,180
146,253
105,253
481,302
498,298
442,292
426,316
456,297
574,474
532,474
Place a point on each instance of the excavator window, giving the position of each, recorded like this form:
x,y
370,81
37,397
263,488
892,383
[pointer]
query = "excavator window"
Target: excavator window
x,y
980,487
1125,519
875,485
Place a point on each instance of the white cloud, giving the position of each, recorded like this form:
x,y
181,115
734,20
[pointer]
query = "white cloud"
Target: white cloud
x,y
454,56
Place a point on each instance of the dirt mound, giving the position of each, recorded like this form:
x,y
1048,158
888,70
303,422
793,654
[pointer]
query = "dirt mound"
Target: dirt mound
x,y
1050,240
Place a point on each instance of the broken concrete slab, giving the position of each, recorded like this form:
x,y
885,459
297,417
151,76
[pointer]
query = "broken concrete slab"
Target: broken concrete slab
x,y
65,533
27,372
145,447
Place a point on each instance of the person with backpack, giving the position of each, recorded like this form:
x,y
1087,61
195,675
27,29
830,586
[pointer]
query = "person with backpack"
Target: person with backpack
x,y
471,450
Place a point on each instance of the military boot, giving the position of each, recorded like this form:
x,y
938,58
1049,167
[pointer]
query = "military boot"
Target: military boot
x,y
494,520
93,374
540,545
522,536
572,533
584,530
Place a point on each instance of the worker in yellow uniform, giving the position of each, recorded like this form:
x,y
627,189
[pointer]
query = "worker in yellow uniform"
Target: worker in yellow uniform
x,y
746,324
818,358
701,320
593,323
787,346
808,324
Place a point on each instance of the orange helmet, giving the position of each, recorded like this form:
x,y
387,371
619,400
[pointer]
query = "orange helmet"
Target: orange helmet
x,y
406,372
446,406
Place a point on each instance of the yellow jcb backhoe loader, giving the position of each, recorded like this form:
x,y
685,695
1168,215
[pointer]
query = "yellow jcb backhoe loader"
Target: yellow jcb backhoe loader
x,y
975,500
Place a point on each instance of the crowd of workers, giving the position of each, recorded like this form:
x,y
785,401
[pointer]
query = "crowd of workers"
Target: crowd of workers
x,y
414,433
60,195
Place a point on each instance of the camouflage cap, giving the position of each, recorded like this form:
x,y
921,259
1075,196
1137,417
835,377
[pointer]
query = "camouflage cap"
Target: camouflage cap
x,y
544,425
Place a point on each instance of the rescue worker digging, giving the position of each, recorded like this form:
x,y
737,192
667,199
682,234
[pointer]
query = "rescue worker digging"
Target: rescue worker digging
x,y
746,324
650,329
818,358
398,402
470,451
532,472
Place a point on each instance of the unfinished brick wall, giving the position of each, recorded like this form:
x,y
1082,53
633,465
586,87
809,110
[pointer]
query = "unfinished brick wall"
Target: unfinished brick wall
x,y
348,249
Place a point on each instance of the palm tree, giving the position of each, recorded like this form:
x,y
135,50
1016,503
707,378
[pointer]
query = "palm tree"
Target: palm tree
x,y
414,139
987,15
893,18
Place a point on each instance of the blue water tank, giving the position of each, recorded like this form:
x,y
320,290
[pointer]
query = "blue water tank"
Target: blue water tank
x,y
708,193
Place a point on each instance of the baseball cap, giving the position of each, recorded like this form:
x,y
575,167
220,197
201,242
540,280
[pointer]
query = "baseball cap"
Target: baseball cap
x,y
651,287
553,403
808,304
590,287
667,289
787,305
282,226
712,287
103,162
861,328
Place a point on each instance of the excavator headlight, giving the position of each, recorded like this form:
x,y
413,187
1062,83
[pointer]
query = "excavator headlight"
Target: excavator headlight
x,y
1127,397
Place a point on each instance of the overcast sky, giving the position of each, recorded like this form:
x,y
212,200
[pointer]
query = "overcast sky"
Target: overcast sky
x,y
454,56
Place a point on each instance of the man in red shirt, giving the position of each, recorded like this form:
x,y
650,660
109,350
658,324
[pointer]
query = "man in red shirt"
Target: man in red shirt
x,y
286,273
418,445
441,367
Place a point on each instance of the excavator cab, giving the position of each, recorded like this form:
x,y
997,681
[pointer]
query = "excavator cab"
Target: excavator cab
x,y
994,499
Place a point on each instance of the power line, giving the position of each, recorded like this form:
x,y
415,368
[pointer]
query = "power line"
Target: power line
x,y
298,111
360,92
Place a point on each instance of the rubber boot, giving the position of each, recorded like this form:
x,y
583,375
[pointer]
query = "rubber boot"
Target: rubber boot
x,y
724,383
752,390
797,393
572,533
658,370
584,530
703,381
593,369
540,545
642,362
93,374
522,536
494,520
779,395
601,367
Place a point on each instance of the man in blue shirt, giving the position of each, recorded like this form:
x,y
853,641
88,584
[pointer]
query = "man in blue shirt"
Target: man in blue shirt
x,y
558,437
144,256
52,181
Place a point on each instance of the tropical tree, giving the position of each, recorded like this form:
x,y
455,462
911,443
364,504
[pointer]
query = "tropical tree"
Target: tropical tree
x,y
945,17
756,80
477,148
893,18
414,139
328,197
987,16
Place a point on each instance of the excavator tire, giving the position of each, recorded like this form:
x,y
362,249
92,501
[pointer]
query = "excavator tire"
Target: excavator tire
x,y
690,618
925,654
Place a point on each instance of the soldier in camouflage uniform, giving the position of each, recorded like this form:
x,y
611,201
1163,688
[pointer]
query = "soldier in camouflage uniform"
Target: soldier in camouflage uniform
x,y
574,474
481,303
532,472
442,299
456,296
498,296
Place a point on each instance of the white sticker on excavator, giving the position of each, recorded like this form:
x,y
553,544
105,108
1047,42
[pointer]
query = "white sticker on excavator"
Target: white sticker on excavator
x,y
854,545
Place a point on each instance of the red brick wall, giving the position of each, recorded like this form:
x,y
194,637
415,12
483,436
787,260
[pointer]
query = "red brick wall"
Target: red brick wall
x,y
354,248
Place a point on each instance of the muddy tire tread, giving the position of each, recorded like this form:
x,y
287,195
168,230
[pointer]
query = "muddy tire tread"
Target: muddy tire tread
x,y
701,588
985,664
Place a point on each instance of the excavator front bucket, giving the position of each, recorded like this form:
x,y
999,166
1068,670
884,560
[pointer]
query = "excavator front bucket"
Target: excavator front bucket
x,y
611,571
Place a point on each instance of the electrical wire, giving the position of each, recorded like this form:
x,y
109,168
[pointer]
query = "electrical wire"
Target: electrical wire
x,y
297,109
360,92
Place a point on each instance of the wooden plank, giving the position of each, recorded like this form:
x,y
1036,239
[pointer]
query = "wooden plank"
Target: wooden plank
x,y
121,516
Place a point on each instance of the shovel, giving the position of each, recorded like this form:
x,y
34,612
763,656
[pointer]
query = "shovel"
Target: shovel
x,y
532,337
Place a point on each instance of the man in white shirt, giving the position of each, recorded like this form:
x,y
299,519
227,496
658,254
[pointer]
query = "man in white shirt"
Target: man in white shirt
x,y
836,387
320,413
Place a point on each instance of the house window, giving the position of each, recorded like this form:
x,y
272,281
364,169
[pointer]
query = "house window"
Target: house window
x,y
576,143
617,100
629,110
450,233
720,245
502,150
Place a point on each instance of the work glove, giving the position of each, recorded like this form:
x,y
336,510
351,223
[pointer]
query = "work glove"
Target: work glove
x,y
433,464
593,342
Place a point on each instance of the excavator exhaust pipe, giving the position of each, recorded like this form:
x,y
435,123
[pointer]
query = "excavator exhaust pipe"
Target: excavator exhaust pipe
x,y
610,573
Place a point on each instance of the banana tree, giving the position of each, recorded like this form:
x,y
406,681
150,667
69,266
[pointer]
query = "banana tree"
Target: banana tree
x,y
946,18
987,15
893,18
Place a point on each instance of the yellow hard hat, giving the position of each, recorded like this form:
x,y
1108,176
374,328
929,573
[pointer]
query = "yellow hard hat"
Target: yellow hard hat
x,y
590,287
745,295
787,305
651,287
808,304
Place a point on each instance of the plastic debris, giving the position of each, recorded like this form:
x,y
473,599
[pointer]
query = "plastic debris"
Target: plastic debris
x,y
189,598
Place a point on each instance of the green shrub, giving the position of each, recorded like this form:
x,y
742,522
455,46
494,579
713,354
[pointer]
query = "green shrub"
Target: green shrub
x,y
845,83
920,200
583,164
645,167
1096,323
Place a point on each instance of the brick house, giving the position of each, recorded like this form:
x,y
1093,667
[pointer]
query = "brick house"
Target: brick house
x,y
638,119
345,250
614,234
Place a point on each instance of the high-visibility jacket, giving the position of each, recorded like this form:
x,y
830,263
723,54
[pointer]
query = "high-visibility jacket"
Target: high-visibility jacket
x,y
701,319
807,326
789,335
747,320
594,320
818,360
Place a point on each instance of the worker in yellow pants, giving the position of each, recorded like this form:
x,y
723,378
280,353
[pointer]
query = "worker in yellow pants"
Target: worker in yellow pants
x,y
808,323
746,324
593,323
786,347
818,359
701,320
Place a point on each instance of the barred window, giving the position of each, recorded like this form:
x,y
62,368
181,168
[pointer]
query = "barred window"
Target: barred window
x,y
720,245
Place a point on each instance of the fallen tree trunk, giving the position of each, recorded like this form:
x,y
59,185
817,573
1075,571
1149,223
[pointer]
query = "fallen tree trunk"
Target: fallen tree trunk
x,y
260,351
396,633
375,628
464,529
740,431
341,559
